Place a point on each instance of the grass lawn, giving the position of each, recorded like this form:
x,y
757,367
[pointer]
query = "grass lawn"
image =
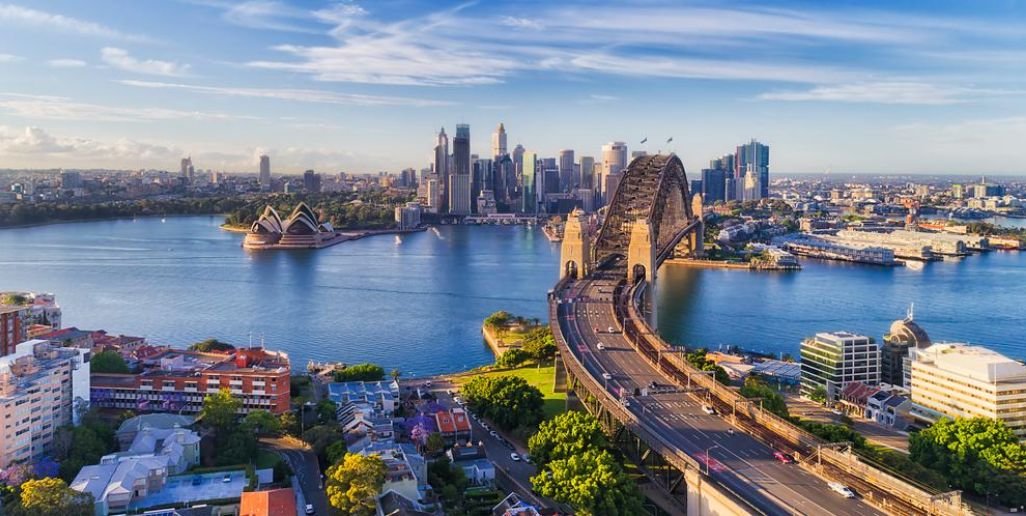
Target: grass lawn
x,y
542,378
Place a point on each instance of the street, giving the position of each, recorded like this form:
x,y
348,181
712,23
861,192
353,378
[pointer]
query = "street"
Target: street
x,y
303,462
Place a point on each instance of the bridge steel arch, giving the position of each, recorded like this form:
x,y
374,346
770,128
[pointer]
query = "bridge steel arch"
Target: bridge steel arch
x,y
653,189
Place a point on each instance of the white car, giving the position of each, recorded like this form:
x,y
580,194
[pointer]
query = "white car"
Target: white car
x,y
611,330
493,433
841,489
709,410
607,376
309,508
514,457
627,403
601,346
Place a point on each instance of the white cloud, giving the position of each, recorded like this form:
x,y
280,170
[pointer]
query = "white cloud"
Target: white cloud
x,y
37,107
119,58
10,58
33,144
522,23
66,63
17,15
896,92
297,95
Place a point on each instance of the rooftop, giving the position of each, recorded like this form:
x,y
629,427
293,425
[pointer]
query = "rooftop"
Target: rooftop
x,y
975,362
275,502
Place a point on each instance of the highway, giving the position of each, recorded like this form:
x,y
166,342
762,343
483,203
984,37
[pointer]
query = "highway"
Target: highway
x,y
732,458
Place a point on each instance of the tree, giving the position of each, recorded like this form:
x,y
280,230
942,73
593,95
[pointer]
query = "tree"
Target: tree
x,y
354,484
819,394
108,362
435,443
593,483
335,451
219,409
360,372
261,422
540,344
566,435
509,401
771,399
320,437
211,345
52,497
980,455
512,358
288,423
497,319
395,374
326,412
234,447
698,360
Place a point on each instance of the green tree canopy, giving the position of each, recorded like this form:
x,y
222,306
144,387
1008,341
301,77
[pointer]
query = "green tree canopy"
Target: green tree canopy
x,y
540,344
980,455
52,497
566,435
497,319
772,400
507,400
360,372
219,409
108,362
355,483
261,422
592,482
698,360
511,358
320,437
819,394
211,345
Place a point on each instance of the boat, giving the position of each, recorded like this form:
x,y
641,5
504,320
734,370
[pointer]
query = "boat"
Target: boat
x,y
914,265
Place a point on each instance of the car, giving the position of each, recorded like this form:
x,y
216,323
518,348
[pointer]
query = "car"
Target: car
x,y
309,508
514,457
601,346
493,433
449,392
227,478
841,489
709,410
458,400
527,458
485,426
611,330
730,431
197,480
782,457
607,376
627,403
836,412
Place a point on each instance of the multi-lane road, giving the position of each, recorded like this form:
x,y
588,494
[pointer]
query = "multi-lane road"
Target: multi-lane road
x,y
731,457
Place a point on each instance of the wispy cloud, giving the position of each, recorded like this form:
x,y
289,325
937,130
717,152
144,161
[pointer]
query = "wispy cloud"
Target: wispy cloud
x,y
120,58
297,95
66,63
23,16
10,58
522,23
40,107
888,93
33,143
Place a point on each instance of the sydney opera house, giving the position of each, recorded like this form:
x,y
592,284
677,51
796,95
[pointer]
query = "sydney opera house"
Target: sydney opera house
x,y
301,230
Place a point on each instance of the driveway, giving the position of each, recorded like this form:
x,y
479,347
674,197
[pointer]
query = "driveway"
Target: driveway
x,y
304,464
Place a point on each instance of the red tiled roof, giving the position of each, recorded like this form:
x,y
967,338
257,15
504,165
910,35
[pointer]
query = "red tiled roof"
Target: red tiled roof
x,y
276,502
461,420
445,422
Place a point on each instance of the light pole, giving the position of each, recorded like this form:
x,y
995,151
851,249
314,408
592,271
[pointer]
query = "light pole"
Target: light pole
x,y
708,458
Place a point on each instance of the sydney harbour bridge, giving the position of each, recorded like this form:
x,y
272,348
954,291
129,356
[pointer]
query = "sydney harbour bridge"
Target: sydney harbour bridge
x,y
703,448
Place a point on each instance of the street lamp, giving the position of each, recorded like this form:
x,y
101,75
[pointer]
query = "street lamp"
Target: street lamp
x,y
708,457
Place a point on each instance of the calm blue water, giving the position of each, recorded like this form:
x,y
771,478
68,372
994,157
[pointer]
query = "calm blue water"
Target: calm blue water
x,y
418,305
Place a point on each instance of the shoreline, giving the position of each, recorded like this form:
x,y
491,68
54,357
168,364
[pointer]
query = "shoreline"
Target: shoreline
x,y
339,238
718,264
104,219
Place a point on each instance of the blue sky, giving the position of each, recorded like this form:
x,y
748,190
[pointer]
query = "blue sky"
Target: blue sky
x,y
919,87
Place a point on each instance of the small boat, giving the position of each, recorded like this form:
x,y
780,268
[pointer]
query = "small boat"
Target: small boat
x,y
914,265
398,241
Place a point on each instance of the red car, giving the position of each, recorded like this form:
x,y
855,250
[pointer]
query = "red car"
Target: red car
x,y
782,457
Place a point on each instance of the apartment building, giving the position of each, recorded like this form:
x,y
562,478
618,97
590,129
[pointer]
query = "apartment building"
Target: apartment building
x,y
959,380
40,386
833,360
177,381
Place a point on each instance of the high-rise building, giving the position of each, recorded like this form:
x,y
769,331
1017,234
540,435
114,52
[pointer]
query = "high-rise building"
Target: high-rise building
x,y
499,142
12,327
441,165
408,178
186,165
265,173
311,181
70,180
712,185
959,380
833,360
587,172
752,190
408,216
753,156
42,388
482,179
614,160
529,183
567,179
460,181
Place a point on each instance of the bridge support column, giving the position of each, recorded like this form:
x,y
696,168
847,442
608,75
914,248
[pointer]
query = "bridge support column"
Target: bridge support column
x,y
559,383
575,251
642,266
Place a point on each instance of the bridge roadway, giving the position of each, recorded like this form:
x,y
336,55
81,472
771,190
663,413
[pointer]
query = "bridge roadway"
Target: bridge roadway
x,y
737,461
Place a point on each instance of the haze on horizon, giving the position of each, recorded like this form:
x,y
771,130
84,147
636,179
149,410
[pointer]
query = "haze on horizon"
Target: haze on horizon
x,y
923,87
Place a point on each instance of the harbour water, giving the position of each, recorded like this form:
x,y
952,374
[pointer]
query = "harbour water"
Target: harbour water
x,y
417,302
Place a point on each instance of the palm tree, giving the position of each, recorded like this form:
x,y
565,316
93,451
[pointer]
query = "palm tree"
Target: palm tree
x,y
396,374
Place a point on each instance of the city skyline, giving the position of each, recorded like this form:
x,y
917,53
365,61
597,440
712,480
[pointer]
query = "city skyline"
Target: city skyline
x,y
363,87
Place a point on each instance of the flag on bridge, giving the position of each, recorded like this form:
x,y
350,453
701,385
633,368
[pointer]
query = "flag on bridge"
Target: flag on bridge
x,y
670,139
644,139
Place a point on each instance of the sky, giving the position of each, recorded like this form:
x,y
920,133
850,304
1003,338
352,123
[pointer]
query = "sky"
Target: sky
x,y
363,86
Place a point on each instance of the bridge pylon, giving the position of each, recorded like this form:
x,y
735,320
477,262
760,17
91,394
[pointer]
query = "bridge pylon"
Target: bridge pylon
x,y
575,251
642,265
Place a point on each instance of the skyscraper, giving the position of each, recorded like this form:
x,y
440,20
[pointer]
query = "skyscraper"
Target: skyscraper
x,y
482,180
712,185
753,156
186,165
311,181
459,183
529,187
614,160
567,179
265,173
504,182
499,141
442,170
587,172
